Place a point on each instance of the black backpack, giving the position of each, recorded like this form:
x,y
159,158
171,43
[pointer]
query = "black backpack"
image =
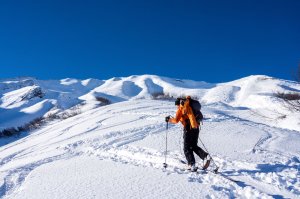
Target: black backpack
x,y
196,107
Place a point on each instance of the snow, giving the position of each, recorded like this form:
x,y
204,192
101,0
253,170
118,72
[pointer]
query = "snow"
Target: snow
x,y
118,150
38,107
100,178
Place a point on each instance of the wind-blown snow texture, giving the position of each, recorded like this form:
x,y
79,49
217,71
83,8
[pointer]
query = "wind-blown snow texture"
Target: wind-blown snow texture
x,y
117,151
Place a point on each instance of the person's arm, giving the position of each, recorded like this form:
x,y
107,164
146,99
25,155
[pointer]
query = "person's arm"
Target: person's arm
x,y
177,118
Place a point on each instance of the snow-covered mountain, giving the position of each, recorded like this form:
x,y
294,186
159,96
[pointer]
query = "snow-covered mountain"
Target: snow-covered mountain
x,y
117,151
26,99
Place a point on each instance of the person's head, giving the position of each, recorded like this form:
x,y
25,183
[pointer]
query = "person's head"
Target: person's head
x,y
177,102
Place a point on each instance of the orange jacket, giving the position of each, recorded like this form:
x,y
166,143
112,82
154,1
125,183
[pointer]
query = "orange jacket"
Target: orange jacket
x,y
183,113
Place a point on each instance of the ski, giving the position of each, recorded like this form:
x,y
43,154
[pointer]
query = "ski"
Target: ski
x,y
192,171
224,176
204,170
229,178
183,162
204,167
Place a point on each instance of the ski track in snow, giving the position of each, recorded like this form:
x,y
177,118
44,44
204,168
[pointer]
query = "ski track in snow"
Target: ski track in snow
x,y
118,133
15,177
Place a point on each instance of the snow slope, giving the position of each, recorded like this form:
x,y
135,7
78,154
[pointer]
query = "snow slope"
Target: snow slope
x,y
117,151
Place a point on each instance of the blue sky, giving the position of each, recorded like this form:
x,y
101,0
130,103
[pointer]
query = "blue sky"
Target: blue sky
x,y
213,41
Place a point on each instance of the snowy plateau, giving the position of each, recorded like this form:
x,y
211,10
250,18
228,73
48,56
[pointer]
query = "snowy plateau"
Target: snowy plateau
x,y
107,139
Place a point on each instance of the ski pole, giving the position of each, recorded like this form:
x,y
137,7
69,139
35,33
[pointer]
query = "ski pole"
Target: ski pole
x,y
165,164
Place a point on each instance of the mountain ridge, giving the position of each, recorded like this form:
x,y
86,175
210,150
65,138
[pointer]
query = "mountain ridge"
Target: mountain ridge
x,y
26,98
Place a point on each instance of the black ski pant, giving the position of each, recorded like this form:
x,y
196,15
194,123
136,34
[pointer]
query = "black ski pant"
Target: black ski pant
x,y
190,140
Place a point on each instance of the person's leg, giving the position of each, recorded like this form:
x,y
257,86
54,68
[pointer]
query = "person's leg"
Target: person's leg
x,y
199,151
187,147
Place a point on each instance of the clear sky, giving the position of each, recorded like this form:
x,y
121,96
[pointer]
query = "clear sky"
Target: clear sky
x,y
209,40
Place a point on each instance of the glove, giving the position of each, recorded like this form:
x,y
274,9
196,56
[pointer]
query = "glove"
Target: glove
x,y
168,118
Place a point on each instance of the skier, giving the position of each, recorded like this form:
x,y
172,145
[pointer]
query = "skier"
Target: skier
x,y
185,115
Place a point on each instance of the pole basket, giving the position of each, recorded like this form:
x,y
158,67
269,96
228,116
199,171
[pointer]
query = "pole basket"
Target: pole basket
x,y
216,170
